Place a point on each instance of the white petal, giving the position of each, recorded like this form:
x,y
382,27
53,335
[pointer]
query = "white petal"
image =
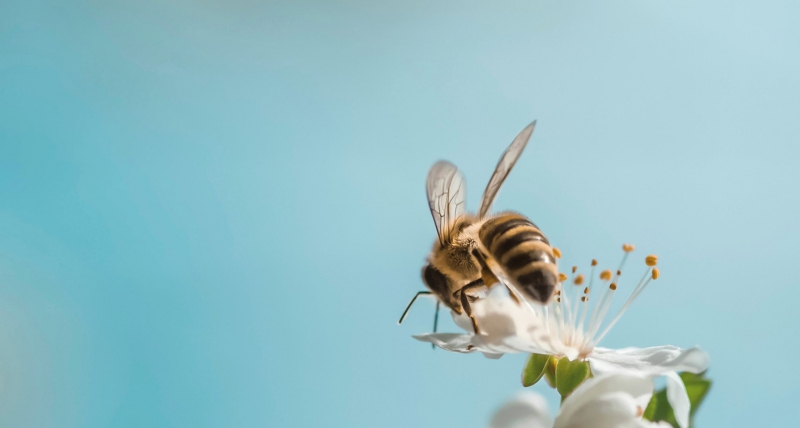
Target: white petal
x,y
506,327
453,342
678,398
655,361
527,410
635,390
612,410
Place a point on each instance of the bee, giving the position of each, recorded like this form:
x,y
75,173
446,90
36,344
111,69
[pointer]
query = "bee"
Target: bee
x,y
476,251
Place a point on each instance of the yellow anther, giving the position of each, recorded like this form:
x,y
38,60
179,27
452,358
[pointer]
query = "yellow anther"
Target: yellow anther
x,y
574,269
605,275
562,277
557,252
586,290
651,260
627,248
579,279
613,286
656,273
594,262
583,298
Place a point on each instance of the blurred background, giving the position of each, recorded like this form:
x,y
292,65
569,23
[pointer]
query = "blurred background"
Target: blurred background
x,y
212,213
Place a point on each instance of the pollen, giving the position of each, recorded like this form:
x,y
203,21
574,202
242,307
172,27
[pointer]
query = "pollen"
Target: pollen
x,y
562,277
557,252
605,275
651,260
656,273
578,279
627,248
594,262
613,286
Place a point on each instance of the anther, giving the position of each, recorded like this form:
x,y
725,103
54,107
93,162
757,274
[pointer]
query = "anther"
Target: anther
x,y
594,262
579,279
557,252
613,286
619,273
558,300
586,290
627,248
574,269
562,277
583,298
605,275
656,273
651,260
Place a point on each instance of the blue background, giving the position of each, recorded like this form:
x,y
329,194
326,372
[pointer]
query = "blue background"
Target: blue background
x,y
212,213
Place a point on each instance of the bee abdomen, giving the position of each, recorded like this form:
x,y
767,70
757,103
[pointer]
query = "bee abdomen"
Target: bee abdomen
x,y
523,252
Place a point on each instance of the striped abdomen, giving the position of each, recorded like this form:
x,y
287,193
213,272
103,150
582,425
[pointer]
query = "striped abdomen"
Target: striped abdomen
x,y
523,252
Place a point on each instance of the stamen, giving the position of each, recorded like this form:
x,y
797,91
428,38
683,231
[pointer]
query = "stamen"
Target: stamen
x,y
557,252
605,275
599,314
651,260
627,248
584,310
656,272
562,277
578,279
638,290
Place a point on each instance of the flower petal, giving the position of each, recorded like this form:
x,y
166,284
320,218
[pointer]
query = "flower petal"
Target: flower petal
x,y
678,398
612,410
506,327
452,342
655,361
527,410
628,393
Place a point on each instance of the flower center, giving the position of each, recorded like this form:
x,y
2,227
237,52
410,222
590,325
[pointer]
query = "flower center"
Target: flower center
x,y
573,319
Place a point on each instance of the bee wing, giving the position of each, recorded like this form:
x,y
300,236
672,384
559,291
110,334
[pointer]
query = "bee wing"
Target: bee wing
x,y
447,191
503,167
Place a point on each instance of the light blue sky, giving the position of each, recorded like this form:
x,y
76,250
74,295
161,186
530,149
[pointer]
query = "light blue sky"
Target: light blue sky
x,y
212,213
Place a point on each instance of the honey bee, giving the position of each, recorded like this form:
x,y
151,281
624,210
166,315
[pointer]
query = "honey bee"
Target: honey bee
x,y
475,252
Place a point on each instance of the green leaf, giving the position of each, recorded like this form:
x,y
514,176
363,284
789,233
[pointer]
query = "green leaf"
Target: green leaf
x,y
570,374
550,371
651,408
697,387
534,369
662,411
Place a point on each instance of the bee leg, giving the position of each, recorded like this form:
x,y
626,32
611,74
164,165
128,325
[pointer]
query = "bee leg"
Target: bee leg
x,y
436,321
489,277
413,299
465,302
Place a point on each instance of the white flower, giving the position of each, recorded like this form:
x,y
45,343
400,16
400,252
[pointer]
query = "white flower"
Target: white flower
x,y
569,327
608,401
